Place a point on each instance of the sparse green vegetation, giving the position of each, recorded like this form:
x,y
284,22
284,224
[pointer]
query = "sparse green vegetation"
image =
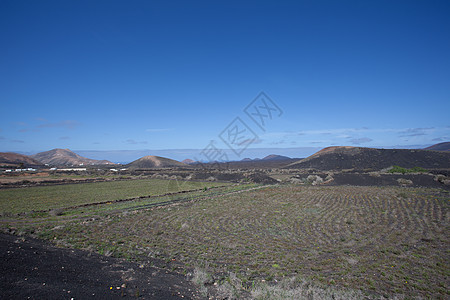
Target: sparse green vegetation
x,y
349,242
398,169
17,200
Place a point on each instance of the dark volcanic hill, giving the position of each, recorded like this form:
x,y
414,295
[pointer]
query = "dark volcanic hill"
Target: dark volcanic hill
x,y
359,158
276,157
440,147
65,157
150,161
15,159
246,159
259,164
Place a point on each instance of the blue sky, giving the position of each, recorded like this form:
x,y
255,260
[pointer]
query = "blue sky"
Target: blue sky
x,y
107,76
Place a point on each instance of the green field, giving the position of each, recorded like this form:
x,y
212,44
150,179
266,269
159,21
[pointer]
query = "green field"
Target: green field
x,y
18,200
270,242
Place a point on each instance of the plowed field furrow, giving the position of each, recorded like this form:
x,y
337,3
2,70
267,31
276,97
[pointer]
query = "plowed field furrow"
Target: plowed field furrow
x,y
391,239
333,205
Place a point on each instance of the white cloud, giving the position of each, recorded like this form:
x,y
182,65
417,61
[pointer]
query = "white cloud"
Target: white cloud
x,y
415,132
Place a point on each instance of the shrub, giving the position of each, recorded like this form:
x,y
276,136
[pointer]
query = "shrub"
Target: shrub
x,y
294,288
404,181
295,180
200,277
418,170
398,169
442,179
314,179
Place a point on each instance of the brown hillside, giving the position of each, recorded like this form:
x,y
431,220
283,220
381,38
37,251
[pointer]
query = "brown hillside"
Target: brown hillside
x,y
332,149
150,161
15,159
338,158
66,157
188,161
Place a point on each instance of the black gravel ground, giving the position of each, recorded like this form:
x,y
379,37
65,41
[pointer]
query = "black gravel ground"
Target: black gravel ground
x,y
33,269
418,180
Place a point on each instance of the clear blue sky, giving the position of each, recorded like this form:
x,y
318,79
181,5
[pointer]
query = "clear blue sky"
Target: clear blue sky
x,y
132,75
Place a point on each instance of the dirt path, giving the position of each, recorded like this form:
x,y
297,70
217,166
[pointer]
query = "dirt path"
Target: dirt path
x,y
32,269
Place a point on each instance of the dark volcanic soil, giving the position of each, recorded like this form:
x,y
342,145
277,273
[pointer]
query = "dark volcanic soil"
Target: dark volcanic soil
x,y
360,158
418,180
31,269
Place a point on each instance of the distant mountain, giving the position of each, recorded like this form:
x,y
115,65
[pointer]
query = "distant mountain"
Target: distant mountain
x,y
276,157
66,157
17,160
270,157
148,162
359,158
188,161
440,147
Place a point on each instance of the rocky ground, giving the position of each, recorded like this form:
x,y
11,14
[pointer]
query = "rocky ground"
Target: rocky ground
x,y
32,269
